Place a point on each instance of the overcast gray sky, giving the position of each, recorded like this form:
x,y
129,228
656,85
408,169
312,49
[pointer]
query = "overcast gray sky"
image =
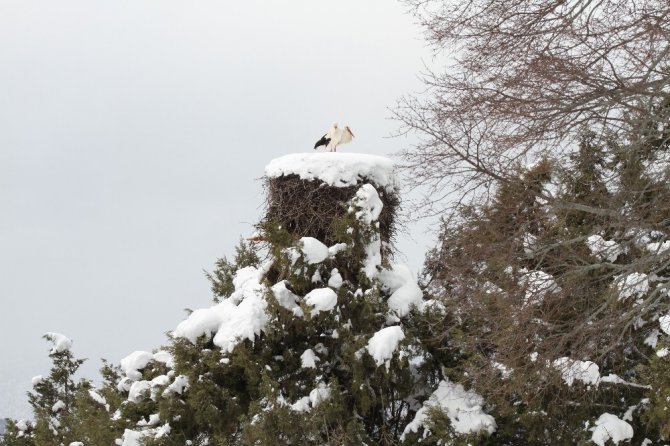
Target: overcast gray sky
x,y
132,137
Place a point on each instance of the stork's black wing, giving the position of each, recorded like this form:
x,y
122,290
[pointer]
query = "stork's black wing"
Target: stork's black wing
x,y
322,142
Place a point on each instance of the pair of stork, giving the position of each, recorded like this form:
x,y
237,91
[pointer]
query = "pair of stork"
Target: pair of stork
x,y
334,137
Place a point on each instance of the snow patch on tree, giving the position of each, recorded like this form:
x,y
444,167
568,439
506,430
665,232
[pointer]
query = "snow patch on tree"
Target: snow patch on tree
x,y
603,249
610,427
664,322
321,299
571,370
58,405
367,206
335,280
463,407
131,438
634,284
313,250
95,396
241,316
153,420
61,342
178,386
336,249
383,344
658,247
373,258
405,293
505,372
164,357
245,321
308,359
320,394
529,242
538,285
302,405
138,437
286,298
162,431
139,391
134,362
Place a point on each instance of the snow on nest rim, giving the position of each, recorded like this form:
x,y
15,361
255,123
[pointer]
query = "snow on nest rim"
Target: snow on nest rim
x,y
335,169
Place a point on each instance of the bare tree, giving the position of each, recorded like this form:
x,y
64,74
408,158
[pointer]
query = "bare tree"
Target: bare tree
x,y
522,77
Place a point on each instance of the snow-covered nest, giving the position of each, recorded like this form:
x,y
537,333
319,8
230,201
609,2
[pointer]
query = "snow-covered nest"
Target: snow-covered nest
x,y
306,192
335,169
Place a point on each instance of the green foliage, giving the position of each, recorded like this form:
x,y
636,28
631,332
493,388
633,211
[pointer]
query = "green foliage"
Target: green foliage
x,y
245,396
261,391
53,400
91,423
18,433
222,276
657,413
66,411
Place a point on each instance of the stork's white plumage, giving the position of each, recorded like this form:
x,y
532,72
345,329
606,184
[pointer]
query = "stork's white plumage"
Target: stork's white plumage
x,y
335,137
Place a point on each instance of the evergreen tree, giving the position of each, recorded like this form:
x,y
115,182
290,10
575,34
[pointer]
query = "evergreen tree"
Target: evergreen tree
x,y
318,345
18,433
560,288
52,401
305,343
68,412
93,421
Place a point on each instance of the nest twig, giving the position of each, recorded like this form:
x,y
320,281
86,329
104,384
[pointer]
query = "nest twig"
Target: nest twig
x,y
309,208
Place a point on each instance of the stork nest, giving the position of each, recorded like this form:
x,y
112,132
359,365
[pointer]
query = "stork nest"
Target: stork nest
x,y
310,208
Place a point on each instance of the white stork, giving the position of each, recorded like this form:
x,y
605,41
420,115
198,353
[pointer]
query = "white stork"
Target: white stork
x,y
334,137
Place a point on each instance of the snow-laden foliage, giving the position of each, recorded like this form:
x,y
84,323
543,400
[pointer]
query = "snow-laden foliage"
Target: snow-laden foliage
x,y
405,293
604,249
384,343
571,371
463,408
305,344
313,250
134,362
632,285
61,343
609,427
321,299
240,316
